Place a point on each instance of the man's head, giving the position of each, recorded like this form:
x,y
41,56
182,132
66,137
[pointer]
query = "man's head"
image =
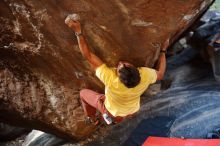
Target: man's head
x,y
128,74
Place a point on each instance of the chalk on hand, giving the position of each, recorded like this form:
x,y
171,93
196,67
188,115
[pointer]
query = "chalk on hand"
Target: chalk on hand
x,y
74,17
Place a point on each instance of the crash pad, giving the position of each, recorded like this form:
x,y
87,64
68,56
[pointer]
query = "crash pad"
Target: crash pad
x,y
162,141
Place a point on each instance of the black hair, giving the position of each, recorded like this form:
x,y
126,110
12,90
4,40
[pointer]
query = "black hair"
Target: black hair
x,y
129,76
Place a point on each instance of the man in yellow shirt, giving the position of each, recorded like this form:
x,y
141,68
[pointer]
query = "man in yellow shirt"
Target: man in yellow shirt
x,y
123,85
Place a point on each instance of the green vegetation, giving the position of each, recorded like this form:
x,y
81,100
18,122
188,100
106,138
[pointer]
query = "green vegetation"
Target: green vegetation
x,y
216,5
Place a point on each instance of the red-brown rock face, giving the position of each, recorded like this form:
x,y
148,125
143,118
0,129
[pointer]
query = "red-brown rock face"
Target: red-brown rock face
x,y
41,68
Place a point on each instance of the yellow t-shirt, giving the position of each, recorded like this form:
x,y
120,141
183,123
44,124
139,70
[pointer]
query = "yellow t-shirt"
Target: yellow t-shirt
x,y
120,100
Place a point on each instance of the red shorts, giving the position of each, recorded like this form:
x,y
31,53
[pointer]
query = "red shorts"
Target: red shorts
x,y
92,101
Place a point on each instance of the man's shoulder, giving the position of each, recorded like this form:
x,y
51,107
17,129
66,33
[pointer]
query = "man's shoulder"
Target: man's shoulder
x,y
146,69
147,73
105,74
104,69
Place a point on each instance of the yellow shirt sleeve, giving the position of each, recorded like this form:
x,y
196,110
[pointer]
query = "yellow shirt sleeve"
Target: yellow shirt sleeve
x,y
150,74
105,74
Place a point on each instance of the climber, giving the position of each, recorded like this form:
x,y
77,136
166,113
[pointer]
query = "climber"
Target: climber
x,y
123,85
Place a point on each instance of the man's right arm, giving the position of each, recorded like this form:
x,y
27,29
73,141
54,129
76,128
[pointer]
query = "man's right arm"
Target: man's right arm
x,y
93,60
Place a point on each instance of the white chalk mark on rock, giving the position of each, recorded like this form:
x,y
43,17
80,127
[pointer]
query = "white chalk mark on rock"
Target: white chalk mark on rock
x,y
19,9
122,7
138,22
17,27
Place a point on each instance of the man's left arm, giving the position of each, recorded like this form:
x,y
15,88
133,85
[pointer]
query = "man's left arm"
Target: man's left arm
x,y
161,66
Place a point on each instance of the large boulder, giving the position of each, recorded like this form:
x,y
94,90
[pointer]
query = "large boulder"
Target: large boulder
x,y
42,69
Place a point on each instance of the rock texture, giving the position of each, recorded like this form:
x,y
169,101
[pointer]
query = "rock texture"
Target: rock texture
x,y
42,70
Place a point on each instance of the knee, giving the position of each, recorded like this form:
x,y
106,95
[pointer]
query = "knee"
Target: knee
x,y
82,93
